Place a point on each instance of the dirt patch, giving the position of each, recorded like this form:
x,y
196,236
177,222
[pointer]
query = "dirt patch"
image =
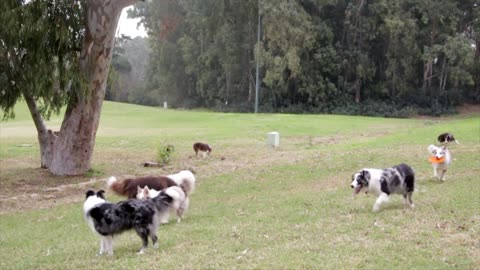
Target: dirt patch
x,y
34,188
24,186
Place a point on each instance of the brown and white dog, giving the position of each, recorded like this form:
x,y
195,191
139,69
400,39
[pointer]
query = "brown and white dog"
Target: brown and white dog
x,y
128,187
202,148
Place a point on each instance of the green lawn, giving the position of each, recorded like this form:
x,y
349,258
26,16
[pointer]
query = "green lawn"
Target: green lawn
x,y
255,207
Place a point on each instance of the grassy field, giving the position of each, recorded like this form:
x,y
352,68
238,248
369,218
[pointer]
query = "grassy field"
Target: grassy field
x,y
255,207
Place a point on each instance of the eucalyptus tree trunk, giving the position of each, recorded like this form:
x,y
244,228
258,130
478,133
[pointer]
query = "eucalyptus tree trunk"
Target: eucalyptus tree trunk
x,y
357,89
477,60
70,151
46,137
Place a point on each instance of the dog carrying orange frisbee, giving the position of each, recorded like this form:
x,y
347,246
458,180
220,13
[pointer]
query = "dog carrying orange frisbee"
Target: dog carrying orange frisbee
x,y
434,159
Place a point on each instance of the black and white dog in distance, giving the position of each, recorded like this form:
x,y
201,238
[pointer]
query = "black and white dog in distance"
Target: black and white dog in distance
x,y
446,138
398,179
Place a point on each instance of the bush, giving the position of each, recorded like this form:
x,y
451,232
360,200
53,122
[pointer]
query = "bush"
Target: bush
x,y
165,153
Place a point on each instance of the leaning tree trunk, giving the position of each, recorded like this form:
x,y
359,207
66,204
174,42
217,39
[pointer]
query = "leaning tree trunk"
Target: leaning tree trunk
x,y
46,137
72,150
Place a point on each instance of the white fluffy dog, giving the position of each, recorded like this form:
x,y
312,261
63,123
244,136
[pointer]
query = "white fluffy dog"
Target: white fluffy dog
x,y
180,200
185,179
440,159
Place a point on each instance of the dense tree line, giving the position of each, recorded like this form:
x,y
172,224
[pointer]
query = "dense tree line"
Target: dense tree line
x,y
385,57
126,78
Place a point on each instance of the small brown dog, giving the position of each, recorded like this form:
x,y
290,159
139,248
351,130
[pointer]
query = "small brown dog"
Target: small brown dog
x,y
202,148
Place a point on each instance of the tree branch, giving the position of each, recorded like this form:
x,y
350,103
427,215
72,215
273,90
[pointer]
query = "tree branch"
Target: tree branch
x,y
126,3
36,115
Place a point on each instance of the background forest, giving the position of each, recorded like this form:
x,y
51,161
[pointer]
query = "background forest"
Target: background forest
x,y
385,57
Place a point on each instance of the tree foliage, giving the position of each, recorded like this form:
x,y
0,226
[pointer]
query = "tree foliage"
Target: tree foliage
x,y
39,46
315,55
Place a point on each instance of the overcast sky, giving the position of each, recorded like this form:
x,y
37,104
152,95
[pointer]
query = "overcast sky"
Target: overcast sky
x,y
129,26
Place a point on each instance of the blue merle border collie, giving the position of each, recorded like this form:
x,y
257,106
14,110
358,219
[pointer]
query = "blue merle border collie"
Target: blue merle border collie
x,y
398,179
109,219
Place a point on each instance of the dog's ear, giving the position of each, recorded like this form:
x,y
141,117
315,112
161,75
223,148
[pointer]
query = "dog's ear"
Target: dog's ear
x,y
146,192
366,175
139,189
100,194
89,193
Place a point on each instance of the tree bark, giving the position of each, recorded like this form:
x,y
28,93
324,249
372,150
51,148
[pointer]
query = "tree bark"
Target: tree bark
x,y
72,150
427,71
443,75
476,60
46,137
357,90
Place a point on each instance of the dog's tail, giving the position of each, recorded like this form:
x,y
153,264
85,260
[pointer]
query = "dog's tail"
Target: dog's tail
x,y
119,187
185,179
177,195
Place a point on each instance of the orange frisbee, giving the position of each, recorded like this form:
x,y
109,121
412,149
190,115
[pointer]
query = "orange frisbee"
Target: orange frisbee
x,y
433,159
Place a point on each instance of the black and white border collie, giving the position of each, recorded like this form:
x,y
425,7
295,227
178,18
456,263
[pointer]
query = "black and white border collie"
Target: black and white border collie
x,y
108,219
446,138
398,179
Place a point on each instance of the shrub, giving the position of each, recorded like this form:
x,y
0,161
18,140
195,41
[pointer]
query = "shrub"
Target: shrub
x,y
165,153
